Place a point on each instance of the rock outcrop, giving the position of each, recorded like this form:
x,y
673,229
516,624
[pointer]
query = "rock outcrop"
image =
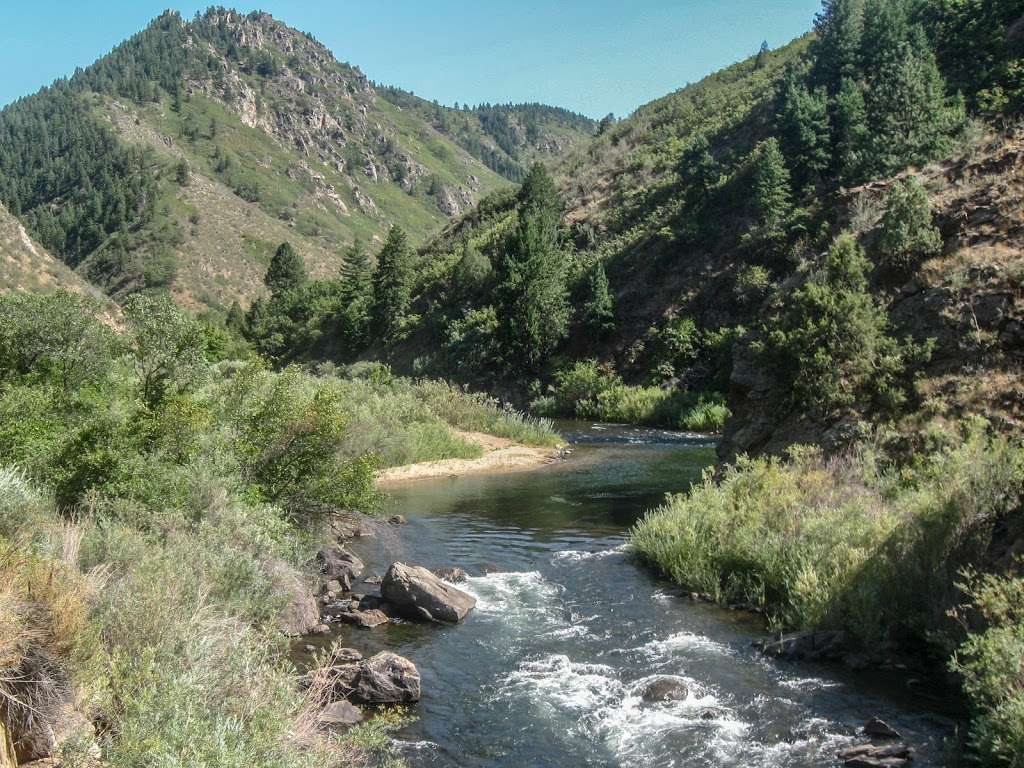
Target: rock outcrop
x,y
417,593
386,678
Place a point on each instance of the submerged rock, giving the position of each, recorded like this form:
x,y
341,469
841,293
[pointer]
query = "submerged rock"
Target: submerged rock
x,y
827,645
397,520
663,688
453,574
418,594
342,655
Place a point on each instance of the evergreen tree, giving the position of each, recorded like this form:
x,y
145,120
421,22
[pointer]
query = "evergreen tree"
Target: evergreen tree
x,y
762,55
392,285
532,295
286,272
836,50
804,130
599,309
851,134
908,233
907,112
772,197
235,320
700,171
356,292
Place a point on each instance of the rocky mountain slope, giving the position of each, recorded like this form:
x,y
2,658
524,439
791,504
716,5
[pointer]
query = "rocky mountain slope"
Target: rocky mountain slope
x,y
26,266
217,138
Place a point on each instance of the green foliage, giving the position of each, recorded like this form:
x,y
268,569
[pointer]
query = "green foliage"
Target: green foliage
x,y
804,129
772,200
532,294
589,390
989,664
61,339
907,232
166,344
356,294
392,285
287,271
599,306
471,344
847,545
829,344
290,434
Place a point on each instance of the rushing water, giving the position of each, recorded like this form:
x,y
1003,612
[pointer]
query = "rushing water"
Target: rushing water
x,y
546,670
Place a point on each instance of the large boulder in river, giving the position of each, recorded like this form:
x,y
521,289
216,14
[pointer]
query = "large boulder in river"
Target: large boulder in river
x,y
339,564
418,594
663,688
386,678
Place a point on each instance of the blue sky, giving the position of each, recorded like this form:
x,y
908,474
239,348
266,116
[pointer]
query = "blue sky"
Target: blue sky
x,y
592,56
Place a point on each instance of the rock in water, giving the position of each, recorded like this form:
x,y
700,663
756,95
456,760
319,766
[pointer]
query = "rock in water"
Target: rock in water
x,y
870,756
826,645
339,564
879,729
301,616
386,678
366,619
452,574
418,594
663,688
340,714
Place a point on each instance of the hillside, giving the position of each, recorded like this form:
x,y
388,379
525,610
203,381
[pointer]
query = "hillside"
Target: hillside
x,y
26,266
188,154
507,138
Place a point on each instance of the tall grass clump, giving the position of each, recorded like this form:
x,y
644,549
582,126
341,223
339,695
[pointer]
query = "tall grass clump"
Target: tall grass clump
x,y
848,543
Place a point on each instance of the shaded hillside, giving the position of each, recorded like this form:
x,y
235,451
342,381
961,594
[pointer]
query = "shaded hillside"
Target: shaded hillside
x,y
968,298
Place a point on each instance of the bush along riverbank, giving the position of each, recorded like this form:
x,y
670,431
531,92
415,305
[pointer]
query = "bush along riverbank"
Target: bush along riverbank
x,y
871,560
588,390
158,508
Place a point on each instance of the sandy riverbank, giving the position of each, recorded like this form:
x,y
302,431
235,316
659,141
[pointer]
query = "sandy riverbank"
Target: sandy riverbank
x,y
500,455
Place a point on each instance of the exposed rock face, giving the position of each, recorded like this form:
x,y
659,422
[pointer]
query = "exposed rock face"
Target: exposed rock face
x,y
418,594
339,564
386,678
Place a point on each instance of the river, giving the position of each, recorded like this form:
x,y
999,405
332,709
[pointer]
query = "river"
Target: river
x,y
546,670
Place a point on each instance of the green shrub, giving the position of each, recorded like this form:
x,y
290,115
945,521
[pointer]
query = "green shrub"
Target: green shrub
x,y
991,664
845,544
907,232
830,341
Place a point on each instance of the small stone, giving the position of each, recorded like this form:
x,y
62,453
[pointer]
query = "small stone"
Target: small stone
x,y
664,688
454,574
345,655
397,520
310,649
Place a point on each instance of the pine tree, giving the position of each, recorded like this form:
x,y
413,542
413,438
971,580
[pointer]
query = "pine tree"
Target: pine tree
x,y
762,55
908,233
235,320
837,48
699,170
851,134
392,285
599,309
772,196
286,272
804,129
907,111
532,295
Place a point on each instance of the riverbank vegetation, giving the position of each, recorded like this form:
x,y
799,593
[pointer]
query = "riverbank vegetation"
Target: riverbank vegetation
x,y
868,546
156,507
